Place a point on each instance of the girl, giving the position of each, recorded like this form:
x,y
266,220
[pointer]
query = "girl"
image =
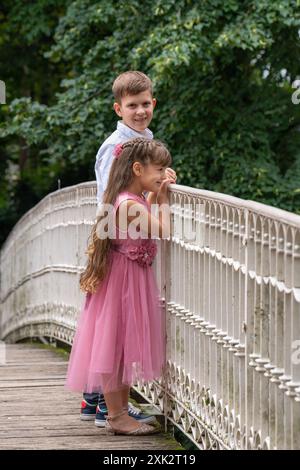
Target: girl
x,y
120,338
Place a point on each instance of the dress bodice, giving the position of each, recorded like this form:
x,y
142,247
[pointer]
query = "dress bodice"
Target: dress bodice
x,y
137,248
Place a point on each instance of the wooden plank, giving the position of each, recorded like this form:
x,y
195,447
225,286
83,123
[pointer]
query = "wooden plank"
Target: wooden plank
x,y
28,373
31,383
99,442
37,412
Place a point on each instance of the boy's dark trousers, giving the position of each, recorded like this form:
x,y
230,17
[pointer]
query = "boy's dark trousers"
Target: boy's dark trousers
x,y
95,399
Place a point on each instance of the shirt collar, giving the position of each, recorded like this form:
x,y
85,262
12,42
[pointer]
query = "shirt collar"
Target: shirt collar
x,y
130,133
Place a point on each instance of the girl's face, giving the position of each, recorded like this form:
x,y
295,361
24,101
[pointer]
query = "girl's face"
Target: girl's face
x,y
150,176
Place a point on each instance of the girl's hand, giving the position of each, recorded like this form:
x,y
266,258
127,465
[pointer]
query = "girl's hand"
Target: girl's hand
x,y
162,195
171,174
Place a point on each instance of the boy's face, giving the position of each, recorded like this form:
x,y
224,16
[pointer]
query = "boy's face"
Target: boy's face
x,y
136,111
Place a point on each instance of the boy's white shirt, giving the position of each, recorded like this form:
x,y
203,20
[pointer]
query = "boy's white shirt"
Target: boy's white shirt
x,y
104,157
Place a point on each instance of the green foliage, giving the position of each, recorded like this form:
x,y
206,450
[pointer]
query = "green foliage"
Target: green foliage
x,y
223,74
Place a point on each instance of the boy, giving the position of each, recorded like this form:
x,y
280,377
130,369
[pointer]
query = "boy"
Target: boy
x,y
135,104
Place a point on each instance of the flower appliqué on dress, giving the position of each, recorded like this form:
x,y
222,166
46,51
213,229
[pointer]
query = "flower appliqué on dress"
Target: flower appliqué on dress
x,y
143,254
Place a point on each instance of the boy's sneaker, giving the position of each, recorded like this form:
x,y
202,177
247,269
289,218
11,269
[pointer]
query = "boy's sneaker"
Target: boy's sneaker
x,y
137,414
101,415
88,411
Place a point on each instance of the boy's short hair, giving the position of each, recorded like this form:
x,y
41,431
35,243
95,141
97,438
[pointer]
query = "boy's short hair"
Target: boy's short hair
x,y
130,83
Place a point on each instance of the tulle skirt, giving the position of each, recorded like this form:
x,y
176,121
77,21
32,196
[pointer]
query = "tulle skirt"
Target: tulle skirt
x,y
120,337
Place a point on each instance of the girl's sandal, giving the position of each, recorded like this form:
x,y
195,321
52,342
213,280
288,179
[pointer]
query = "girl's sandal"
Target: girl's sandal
x,y
142,430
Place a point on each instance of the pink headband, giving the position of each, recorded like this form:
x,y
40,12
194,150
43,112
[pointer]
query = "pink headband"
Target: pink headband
x,y
118,150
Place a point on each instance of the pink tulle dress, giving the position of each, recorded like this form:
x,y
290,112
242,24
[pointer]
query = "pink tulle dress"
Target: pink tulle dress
x,y
120,334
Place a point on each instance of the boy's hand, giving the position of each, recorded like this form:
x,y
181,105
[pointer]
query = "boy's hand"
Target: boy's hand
x,y
171,174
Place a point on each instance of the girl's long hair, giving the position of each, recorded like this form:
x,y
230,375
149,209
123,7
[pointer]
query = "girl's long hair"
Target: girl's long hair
x,y
121,175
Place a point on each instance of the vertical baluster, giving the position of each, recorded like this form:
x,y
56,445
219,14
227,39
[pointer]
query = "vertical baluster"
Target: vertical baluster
x,y
212,287
223,289
256,325
295,357
264,273
218,302
272,330
248,242
242,323
279,332
205,303
209,326
228,307
200,240
235,342
286,379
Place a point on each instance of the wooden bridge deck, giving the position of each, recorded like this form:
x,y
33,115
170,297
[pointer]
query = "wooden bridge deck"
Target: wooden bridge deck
x,y
36,412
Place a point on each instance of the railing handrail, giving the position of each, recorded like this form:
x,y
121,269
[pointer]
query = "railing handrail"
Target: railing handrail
x,y
260,208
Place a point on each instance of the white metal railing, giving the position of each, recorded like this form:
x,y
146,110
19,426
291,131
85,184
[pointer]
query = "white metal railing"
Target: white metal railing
x,y
230,279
